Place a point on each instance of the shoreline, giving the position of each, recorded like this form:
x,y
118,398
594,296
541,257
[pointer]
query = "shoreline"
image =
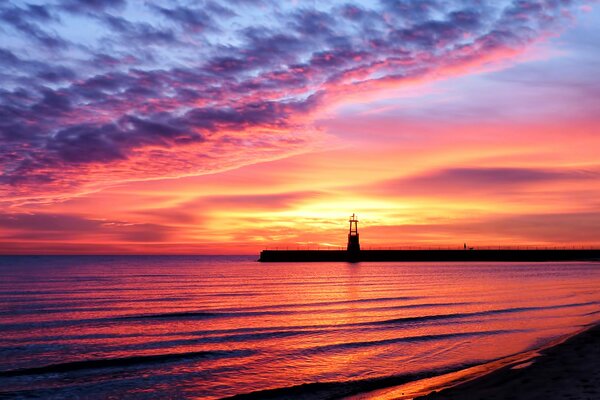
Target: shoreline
x,y
453,383
565,368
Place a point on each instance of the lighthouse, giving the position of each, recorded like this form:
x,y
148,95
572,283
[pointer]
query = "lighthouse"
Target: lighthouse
x,y
353,244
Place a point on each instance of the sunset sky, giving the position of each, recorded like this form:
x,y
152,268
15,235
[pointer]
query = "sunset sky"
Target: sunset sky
x,y
208,127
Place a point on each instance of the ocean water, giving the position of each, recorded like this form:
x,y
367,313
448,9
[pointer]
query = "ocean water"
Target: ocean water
x,y
211,327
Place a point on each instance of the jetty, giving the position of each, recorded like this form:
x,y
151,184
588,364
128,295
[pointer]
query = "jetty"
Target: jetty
x,y
353,253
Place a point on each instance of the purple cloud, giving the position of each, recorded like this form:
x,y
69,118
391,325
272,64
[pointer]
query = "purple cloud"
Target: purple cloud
x,y
42,226
469,180
82,6
550,228
184,90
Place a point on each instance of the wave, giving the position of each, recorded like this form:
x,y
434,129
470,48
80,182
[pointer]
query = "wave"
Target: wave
x,y
241,338
73,337
421,338
279,309
257,336
246,312
182,315
120,362
253,330
202,315
222,313
342,389
179,314
322,303
316,328
437,317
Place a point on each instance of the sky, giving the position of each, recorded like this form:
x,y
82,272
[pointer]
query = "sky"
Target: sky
x,y
226,127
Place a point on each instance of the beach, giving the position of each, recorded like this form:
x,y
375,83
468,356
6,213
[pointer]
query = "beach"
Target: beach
x,y
569,370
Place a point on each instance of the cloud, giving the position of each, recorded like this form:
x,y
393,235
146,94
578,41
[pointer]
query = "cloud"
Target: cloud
x,y
172,90
242,203
79,6
26,20
195,19
50,227
467,181
552,228
139,32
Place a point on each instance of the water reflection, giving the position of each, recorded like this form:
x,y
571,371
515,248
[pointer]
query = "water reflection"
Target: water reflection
x,y
209,327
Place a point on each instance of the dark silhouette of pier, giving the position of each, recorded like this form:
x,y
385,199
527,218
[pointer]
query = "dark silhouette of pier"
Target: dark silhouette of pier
x,y
353,253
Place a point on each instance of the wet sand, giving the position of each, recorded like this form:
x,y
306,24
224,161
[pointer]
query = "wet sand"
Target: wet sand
x,y
569,370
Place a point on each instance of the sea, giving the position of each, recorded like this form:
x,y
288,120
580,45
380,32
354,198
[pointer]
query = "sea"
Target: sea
x,y
209,327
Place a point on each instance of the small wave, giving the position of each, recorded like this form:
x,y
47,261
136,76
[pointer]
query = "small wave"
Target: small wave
x,y
420,318
422,338
201,315
74,337
124,362
339,302
340,389
233,294
182,314
258,336
437,317
254,330
242,338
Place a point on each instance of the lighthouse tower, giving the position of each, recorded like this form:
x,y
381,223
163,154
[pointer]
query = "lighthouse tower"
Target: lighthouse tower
x,y
353,244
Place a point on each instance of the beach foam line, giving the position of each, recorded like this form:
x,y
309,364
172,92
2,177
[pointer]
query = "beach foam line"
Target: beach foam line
x,y
120,362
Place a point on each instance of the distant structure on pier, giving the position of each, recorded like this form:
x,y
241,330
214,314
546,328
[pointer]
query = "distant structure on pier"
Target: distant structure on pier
x,y
353,243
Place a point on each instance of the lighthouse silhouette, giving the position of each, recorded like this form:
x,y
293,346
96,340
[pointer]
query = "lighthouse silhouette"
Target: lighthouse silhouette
x,y
353,248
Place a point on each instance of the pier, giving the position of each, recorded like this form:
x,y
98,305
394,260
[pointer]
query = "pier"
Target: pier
x,y
353,253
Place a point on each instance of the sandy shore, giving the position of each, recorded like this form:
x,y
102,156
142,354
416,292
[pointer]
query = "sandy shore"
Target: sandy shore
x,y
570,370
